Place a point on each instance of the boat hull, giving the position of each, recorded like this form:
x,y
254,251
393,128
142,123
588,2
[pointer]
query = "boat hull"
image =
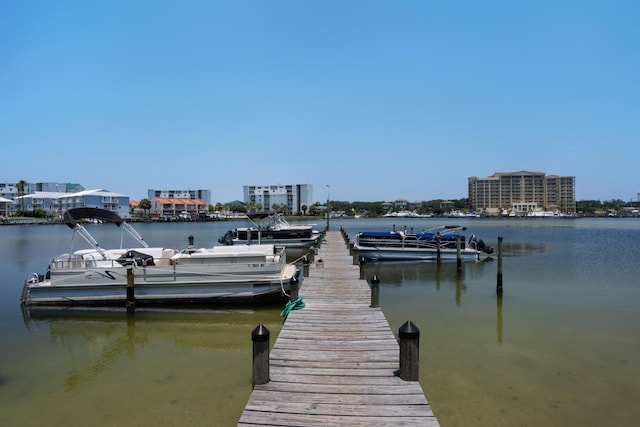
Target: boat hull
x,y
155,285
414,254
287,243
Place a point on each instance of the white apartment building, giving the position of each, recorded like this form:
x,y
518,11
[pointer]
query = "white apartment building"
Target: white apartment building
x,y
55,203
292,196
9,190
204,195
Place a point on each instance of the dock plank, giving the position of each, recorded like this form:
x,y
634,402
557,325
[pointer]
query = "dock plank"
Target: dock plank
x,y
333,362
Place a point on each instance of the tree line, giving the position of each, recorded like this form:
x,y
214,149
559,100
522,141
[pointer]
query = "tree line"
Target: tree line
x,y
431,207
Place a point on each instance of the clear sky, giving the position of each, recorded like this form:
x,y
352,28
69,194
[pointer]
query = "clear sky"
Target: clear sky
x,y
377,99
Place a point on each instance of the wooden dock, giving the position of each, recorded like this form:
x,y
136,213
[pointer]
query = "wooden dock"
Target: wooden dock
x,y
333,362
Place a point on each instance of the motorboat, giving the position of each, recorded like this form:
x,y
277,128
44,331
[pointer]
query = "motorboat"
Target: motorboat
x,y
158,275
272,228
441,243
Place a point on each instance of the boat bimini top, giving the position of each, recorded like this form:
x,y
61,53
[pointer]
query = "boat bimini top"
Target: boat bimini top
x,y
73,216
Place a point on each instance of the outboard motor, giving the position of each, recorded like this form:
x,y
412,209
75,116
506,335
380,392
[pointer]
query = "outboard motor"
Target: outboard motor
x,y
227,238
479,245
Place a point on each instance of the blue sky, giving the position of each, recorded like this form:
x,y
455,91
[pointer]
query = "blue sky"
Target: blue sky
x,y
377,99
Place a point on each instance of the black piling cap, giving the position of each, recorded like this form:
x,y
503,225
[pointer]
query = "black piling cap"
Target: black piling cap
x,y
190,238
260,334
409,331
375,279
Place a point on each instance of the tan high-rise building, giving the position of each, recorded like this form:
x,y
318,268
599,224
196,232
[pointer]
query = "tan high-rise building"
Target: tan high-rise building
x,y
522,191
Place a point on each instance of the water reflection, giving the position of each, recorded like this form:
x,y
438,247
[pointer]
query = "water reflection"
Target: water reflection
x,y
499,318
91,342
520,249
411,273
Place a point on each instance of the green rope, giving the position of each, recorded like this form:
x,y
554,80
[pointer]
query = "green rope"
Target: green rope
x,y
292,305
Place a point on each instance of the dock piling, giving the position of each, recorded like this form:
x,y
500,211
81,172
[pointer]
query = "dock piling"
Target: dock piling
x,y
499,278
131,297
294,287
409,335
260,339
305,266
375,292
458,254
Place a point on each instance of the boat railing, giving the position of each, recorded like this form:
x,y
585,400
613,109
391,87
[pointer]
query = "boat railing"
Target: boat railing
x,y
79,263
410,243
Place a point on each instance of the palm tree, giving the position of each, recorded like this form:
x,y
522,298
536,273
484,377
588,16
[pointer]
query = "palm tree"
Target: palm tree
x,y
20,187
145,205
251,206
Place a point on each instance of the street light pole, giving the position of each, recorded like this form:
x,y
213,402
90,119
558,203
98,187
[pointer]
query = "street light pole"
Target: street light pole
x,y
328,207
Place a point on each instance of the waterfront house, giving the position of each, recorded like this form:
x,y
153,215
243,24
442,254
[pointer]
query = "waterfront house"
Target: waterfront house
x,y
5,207
55,203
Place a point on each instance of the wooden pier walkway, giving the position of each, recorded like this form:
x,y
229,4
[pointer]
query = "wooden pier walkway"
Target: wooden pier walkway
x,y
333,362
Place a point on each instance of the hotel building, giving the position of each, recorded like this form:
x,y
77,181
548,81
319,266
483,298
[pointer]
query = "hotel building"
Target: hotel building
x,y
522,191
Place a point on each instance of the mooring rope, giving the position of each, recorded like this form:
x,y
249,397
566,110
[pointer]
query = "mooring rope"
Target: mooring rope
x,y
292,305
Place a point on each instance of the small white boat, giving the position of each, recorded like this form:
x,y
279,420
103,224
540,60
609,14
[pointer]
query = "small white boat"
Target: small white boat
x,y
460,214
545,214
435,244
406,214
97,276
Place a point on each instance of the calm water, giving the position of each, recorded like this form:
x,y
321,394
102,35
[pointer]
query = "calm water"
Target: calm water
x,y
562,347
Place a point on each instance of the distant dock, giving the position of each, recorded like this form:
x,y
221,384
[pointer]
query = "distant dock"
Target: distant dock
x,y
333,362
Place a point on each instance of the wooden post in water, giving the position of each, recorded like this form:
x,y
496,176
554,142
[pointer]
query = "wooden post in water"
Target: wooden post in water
x,y
131,298
438,253
375,292
499,282
260,339
458,254
362,263
409,335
